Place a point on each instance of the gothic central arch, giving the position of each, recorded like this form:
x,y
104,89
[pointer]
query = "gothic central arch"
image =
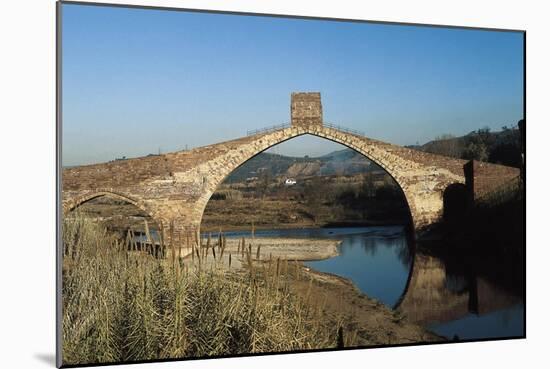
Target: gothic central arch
x,y
222,169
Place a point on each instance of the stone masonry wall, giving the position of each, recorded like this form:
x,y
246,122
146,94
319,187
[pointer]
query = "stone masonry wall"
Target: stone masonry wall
x,y
306,109
482,178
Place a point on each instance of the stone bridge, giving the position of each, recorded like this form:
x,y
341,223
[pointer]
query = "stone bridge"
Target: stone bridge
x,y
174,188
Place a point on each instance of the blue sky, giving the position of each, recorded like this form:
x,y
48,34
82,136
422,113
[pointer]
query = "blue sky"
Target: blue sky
x,y
136,81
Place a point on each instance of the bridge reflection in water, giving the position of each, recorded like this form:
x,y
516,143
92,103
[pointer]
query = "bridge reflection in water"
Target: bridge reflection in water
x,y
460,302
448,295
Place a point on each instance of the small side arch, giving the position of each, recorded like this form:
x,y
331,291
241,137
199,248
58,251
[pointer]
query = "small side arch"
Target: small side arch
x,y
76,201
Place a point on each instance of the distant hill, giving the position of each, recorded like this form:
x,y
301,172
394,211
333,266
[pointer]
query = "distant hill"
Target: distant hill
x,y
503,147
342,155
341,162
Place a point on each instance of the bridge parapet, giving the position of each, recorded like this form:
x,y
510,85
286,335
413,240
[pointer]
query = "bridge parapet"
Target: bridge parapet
x,y
482,179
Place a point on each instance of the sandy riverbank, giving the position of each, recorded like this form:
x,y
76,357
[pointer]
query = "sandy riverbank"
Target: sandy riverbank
x,y
364,320
295,249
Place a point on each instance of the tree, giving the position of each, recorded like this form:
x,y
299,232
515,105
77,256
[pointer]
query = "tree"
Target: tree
x,y
446,144
477,145
445,136
475,150
368,188
262,186
506,154
485,135
314,194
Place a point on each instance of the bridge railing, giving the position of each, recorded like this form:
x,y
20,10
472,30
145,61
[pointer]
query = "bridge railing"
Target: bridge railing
x,y
267,129
288,125
344,129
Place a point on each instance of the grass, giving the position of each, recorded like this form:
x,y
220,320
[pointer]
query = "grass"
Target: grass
x,y
121,305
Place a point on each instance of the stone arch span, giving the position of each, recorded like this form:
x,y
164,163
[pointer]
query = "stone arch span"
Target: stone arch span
x,y
76,201
400,170
174,188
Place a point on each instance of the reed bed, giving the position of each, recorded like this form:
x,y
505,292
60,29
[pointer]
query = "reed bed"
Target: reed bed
x,y
125,305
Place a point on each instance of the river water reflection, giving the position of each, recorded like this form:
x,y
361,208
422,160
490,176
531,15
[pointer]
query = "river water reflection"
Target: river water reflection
x,y
458,304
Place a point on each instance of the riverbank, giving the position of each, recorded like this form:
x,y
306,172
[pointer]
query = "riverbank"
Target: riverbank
x,y
205,229
263,249
364,321
367,320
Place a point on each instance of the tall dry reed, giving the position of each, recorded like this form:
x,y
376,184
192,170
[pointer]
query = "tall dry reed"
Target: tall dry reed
x,y
124,305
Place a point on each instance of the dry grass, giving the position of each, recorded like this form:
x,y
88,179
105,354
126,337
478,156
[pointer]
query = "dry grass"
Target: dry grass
x,y
121,305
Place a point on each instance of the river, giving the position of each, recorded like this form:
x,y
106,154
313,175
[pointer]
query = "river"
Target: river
x,y
451,302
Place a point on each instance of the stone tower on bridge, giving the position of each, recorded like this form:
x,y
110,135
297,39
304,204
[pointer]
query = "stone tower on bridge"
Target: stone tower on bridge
x,y
306,109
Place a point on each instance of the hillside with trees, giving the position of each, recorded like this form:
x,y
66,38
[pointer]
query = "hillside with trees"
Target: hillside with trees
x,y
502,147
